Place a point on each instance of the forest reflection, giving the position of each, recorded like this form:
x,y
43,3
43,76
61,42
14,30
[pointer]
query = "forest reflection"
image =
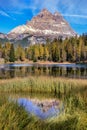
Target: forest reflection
x,y
11,71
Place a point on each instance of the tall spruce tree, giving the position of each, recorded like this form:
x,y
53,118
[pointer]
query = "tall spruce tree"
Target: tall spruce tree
x,y
12,54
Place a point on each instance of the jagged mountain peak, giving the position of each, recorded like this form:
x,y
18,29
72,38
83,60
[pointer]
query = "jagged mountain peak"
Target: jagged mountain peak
x,y
42,26
44,14
57,14
47,12
44,11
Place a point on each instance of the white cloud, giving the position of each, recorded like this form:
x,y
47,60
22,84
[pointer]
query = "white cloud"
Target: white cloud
x,y
77,16
3,13
52,5
20,4
66,7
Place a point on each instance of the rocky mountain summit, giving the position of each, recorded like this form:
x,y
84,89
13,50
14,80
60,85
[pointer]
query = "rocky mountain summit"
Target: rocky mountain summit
x,y
44,25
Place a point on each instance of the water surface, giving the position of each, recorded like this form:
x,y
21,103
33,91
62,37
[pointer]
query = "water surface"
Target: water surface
x,y
43,107
56,70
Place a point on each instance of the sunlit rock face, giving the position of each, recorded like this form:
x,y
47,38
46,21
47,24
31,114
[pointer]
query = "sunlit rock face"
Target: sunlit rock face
x,y
48,24
44,25
3,36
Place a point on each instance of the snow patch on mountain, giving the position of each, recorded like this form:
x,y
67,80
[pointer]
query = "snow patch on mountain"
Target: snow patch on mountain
x,y
20,29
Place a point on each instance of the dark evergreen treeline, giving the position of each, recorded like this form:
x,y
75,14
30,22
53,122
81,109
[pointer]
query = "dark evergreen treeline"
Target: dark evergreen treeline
x,y
72,50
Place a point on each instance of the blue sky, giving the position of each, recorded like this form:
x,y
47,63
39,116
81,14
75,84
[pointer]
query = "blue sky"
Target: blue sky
x,y
17,12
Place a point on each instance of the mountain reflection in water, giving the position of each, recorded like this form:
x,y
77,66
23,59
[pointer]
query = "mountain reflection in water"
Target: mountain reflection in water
x,y
43,109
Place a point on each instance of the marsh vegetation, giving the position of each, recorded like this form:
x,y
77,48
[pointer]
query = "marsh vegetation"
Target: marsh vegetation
x,y
72,92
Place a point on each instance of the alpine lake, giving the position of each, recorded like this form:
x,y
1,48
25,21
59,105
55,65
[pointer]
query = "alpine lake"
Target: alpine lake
x,y
48,106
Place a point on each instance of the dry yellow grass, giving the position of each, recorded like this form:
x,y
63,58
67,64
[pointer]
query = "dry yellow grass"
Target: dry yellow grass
x,y
68,80
43,84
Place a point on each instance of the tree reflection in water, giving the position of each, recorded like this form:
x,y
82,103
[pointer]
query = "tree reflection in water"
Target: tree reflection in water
x,y
24,70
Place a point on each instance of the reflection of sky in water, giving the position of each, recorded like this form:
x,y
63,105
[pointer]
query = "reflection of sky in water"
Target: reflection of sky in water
x,y
19,65
47,65
37,110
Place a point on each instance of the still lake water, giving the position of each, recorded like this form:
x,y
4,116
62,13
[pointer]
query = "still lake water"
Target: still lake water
x,y
41,105
57,70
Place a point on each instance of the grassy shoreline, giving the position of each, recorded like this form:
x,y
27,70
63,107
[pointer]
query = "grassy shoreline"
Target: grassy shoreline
x,y
42,62
42,84
13,116
38,62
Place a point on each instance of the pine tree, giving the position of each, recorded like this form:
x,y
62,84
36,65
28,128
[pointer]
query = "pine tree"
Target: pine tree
x,y
20,53
12,54
41,52
6,51
46,53
1,51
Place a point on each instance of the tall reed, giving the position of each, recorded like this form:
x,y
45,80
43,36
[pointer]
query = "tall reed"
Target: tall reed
x,y
43,85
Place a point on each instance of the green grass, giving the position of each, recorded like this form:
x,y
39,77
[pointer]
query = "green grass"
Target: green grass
x,y
43,85
14,117
73,92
